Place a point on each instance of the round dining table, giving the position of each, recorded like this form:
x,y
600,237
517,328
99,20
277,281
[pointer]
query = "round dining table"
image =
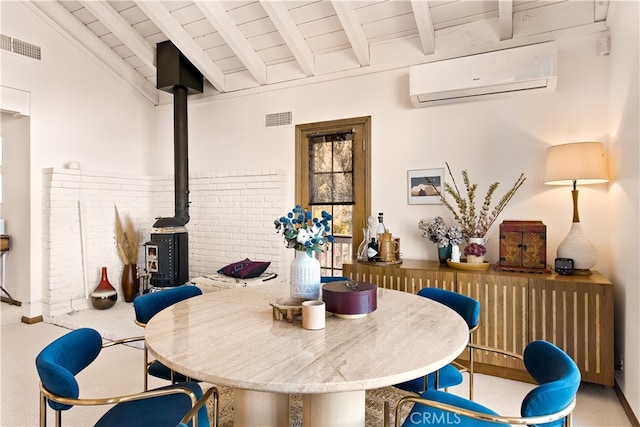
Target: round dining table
x,y
232,338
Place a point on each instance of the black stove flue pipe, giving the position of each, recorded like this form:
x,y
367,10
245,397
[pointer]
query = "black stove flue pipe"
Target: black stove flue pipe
x,y
180,156
178,76
181,153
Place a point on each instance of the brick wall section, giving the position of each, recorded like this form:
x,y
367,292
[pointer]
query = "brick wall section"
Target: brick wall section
x,y
231,213
232,216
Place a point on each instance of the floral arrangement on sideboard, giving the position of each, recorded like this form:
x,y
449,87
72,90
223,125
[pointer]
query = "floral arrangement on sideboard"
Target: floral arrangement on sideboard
x,y
438,232
475,222
475,249
303,232
475,253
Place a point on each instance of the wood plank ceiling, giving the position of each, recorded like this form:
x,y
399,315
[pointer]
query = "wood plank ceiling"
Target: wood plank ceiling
x,y
254,45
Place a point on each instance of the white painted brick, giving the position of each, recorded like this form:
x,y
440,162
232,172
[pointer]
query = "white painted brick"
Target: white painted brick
x,y
232,215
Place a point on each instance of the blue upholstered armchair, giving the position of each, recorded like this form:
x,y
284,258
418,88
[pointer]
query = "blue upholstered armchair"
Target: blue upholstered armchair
x,y
329,279
450,375
550,404
59,363
148,305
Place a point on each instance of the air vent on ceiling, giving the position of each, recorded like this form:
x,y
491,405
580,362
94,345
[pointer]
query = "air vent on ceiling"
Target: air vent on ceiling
x,y
20,47
278,119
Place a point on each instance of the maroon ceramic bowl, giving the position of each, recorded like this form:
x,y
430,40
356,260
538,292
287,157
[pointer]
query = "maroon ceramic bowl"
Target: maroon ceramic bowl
x,y
350,299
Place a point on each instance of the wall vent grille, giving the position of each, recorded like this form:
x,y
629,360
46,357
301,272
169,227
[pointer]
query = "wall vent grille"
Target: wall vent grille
x,y
5,42
278,119
20,47
27,49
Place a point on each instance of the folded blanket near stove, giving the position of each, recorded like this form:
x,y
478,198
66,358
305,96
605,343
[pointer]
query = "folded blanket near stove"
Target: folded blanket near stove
x,y
217,281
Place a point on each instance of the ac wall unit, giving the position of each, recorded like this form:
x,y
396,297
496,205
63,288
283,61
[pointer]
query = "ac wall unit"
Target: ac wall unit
x,y
526,69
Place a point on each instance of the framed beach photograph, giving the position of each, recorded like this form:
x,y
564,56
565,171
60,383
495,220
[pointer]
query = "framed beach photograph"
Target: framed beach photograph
x,y
424,186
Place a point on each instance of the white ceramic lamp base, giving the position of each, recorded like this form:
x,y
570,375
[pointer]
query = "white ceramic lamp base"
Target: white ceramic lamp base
x,y
577,247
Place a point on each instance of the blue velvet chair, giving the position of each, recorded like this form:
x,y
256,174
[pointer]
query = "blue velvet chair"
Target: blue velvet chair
x,y
550,404
195,410
327,279
148,305
60,362
449,375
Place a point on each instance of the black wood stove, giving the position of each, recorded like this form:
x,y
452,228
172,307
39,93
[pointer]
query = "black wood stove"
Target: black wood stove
x,y
167,252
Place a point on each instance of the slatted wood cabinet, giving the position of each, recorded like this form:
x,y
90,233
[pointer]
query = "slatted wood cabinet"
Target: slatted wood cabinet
x,y
573,312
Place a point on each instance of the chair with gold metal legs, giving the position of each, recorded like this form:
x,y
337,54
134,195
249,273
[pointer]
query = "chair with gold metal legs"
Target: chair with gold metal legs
x,y
60,362
148,305
449,375
550,404
195,410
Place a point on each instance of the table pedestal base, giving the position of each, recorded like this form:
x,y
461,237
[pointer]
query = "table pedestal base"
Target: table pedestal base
x,y
334,409
257,408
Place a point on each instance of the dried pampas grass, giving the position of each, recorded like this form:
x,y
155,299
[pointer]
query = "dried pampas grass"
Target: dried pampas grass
x,y
127,240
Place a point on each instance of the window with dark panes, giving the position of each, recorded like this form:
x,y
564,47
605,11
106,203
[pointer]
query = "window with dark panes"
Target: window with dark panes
x,y
331,169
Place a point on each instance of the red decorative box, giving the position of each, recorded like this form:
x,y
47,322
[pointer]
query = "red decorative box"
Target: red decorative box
x,y
523,247
350,299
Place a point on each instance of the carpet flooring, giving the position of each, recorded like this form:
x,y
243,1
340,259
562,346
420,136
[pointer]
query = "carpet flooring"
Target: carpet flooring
x,y
114,323
118,370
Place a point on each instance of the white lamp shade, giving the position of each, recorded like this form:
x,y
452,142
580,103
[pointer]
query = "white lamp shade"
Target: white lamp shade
x,y
583,162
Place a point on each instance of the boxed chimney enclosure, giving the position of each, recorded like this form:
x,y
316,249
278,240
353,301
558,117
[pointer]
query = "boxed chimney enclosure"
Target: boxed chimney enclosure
x,y
167,253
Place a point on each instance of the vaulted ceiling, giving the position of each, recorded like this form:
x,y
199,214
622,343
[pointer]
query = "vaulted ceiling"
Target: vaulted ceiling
x,y
249,45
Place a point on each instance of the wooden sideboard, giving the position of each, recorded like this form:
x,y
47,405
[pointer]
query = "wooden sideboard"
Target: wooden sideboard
x,y
573,312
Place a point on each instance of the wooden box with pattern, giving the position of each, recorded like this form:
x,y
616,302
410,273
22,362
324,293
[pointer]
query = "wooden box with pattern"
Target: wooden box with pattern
x,y
523,247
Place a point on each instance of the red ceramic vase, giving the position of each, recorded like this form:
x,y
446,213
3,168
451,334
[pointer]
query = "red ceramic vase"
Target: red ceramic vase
x,y
104,295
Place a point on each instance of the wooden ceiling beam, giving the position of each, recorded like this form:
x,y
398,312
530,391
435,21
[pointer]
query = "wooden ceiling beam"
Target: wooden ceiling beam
x,y
171,28
601,9
353,29
228,30
286,26
115,23
424,22
505,19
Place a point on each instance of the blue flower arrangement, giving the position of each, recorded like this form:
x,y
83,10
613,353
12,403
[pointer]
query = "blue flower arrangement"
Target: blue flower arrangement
x,y
303,232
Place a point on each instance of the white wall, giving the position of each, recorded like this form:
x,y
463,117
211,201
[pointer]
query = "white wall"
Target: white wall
x,y
624,129
15,202
495,140
78,112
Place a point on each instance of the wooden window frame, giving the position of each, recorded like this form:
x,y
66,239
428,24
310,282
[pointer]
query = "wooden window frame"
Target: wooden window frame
x,y
361,167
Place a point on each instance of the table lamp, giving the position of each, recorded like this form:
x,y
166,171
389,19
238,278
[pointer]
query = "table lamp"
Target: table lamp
x,y
572,164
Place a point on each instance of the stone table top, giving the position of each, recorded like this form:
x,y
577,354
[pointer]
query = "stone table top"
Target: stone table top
x,y
230,338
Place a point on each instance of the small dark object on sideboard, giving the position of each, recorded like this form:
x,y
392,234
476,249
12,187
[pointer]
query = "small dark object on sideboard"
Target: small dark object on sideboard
x,y
564,266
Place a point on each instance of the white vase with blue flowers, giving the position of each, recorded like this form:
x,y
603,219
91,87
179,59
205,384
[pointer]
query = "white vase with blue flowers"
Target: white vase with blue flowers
x,y
308,236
